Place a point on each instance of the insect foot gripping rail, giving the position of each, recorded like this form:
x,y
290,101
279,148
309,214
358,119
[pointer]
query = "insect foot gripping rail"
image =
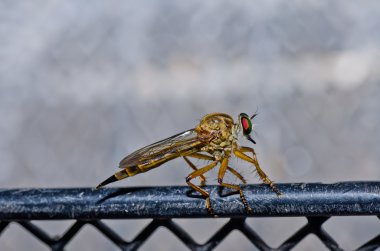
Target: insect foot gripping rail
x,y
214,139
317,202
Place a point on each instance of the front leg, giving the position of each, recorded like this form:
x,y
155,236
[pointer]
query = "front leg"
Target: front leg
x,y
239,152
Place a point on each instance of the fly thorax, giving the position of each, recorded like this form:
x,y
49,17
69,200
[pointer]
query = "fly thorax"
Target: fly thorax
x,y
219,128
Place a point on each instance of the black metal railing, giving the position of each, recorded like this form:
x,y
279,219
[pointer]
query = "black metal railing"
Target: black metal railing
x,y
318,202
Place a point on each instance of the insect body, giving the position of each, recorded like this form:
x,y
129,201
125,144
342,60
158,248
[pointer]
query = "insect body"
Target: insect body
x,y
215,139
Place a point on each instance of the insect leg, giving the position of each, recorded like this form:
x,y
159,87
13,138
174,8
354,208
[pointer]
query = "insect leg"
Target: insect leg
x,y
240,154
222,171
201,177
237,174
198,156
197,188
207,157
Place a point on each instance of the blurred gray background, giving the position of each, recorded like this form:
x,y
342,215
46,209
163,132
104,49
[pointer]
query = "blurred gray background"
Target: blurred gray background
x,y
82,84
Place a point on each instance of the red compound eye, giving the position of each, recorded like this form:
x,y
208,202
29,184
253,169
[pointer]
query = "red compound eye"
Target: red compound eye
x,y
246,125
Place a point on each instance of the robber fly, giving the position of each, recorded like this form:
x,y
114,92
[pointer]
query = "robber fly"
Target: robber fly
x,y
215,139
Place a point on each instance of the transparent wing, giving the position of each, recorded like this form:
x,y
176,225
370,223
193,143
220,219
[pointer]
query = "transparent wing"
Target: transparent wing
x,y
180,142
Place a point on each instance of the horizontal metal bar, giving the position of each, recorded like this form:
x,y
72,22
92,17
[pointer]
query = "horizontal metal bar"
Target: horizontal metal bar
x,y
301,199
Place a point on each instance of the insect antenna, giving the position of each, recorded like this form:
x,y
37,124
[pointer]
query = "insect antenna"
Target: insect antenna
x,y
256,113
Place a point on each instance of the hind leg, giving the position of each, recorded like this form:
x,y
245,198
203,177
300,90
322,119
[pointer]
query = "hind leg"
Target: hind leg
x,y
198,156
201,177
205,194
